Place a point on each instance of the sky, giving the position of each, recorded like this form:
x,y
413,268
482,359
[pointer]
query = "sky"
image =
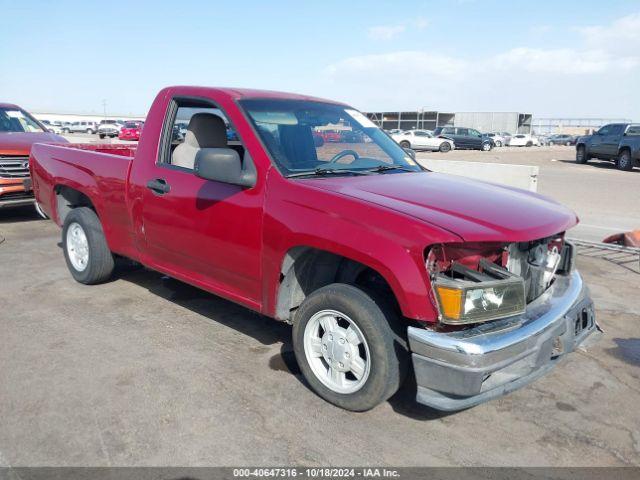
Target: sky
x,y
564,58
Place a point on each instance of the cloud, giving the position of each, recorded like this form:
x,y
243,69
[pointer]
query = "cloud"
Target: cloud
x,y
622,36
386,32
565,61
544,80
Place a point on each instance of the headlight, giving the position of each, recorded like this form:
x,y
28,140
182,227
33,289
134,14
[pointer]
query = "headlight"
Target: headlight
x,y
479,296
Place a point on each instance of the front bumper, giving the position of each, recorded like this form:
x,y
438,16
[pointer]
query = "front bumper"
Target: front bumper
x,y
457,370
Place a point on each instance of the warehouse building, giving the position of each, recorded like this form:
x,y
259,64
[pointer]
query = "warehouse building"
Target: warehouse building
x,y
419,119
512,122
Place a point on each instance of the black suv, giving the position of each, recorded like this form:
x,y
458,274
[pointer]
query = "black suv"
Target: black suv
x,y
562,139
466,138
618,142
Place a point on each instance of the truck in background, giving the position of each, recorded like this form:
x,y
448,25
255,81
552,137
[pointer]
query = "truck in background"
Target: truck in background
x,y
616,142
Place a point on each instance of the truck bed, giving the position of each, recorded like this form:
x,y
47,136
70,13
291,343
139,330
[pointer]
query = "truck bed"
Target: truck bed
x,y
100,172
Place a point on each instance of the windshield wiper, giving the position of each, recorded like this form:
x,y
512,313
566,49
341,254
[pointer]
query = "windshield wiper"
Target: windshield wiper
x,y
384,168
319,172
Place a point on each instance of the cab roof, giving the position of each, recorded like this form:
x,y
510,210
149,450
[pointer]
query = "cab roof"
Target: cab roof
x,y
245,93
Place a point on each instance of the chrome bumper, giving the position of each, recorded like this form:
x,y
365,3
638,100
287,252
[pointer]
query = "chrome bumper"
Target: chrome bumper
x,y
458,370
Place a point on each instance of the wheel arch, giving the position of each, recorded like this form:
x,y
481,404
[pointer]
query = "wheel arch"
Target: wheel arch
x,y
67,198
305,269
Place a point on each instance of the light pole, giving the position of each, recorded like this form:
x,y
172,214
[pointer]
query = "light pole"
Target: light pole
x,y
104,108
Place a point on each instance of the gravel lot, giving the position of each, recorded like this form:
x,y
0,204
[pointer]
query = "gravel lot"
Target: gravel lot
x,y
145,370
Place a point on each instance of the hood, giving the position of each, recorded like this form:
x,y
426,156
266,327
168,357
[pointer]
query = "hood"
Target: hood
x,y
475,211
19,143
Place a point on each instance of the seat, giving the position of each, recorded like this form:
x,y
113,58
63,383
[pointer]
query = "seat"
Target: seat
x,y
205,130
298,146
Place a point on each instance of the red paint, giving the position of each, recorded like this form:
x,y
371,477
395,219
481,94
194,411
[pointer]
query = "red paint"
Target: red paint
x,y
231,241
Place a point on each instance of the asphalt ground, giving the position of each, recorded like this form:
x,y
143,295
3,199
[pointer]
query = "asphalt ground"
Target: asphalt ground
x,y
144,370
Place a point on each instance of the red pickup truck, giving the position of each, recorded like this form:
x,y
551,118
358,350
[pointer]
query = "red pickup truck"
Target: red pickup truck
x,y
379,264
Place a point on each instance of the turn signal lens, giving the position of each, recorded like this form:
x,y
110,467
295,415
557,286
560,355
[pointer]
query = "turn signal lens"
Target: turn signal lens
x,y
450,300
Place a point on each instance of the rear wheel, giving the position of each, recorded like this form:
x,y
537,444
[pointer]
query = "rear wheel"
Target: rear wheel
x,y
102,135
445,147
581,154
405,144
85,247
624,161
486,147
350,347
529,144
498,143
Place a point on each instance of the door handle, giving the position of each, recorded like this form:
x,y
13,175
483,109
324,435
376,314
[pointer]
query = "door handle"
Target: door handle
x,y
158,186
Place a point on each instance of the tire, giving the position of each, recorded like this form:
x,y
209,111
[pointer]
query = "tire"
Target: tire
x,y
382,347
581,155
498,143
624,161
568,144
405,144
529,144
102,135
445,147
98,262
486,147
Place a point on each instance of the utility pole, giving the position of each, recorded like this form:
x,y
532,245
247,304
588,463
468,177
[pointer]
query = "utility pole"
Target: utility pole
x,y
104,108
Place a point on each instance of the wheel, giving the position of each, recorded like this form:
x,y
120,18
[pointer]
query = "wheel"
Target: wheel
x,y
568,144
85,248
40,211
445,147
102,135
486,147
350,348
581,154
529,144
498,143
624,161
405,144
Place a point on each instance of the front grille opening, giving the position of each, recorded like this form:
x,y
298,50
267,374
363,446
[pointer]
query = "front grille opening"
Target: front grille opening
x,y
14,167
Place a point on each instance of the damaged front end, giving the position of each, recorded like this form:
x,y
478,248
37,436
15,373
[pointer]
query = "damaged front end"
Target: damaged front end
x,y
507,313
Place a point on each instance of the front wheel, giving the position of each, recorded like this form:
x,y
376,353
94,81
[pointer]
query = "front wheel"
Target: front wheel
x,y
498,143
486,147
350,348
581,155
85,247
624,161
405,144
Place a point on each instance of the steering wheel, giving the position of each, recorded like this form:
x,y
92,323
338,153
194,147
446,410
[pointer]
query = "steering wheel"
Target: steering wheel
x,y
343,154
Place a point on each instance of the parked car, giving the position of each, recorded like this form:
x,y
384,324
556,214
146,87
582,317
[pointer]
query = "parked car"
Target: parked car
x,y
330,136
349,136
53,127
423,140
132,131
19,130
393,131
506,136
524,140
466,138
109,128
617,142
83,127
375,261
562,139
498,139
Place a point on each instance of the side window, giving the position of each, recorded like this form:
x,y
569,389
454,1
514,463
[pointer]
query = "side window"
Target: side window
x,y
194,127
474,133
463,131
633,130
420,134
449,130
616,130
606,130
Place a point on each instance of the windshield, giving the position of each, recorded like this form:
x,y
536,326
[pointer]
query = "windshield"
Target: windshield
x,y
15,120
305,136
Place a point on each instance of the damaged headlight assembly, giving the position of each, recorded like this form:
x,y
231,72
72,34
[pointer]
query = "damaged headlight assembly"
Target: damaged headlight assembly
x,y
469,296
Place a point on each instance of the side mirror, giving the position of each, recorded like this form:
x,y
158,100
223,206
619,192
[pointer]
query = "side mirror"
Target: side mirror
x,y
410,152
223,165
